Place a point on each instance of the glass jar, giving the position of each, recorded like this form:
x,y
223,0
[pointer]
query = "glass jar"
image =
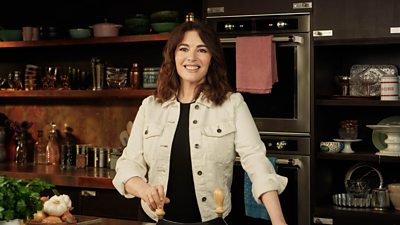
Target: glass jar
x,y
348,129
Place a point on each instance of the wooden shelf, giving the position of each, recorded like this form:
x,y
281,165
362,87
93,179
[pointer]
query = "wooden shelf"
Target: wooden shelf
x,y
76,94
356,102
86,41
356,214
367,157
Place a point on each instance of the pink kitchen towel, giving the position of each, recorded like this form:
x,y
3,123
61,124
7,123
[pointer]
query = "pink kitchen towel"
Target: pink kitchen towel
x,y
256,70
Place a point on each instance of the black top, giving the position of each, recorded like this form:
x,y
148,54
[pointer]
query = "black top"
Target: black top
x,y
183,206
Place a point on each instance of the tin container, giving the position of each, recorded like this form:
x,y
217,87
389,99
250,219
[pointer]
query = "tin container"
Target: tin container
x,y
389,88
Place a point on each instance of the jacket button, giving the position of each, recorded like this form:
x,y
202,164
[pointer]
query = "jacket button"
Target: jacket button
x,y
199,173
195,121
219,130
196,106
203,199
146,132
196,146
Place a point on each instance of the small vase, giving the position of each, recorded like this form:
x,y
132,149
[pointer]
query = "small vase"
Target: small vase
x,y
10,222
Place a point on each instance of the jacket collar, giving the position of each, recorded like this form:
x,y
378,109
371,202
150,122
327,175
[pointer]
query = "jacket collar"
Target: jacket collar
x,y
200,100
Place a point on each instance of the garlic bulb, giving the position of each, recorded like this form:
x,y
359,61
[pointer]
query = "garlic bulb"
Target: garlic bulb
x,y
67,200
55,206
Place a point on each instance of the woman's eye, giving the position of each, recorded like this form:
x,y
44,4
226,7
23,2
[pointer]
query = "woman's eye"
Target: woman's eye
x,y
202,50
184,49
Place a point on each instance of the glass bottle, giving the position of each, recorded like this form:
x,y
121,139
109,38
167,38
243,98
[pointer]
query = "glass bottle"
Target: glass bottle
x,y
53,147
21,150
68,149
135,76
17,81
40,149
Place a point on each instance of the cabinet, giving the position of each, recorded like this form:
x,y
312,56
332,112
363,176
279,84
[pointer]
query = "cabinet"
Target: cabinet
x,y
355,19
330,169
89,113
254,7
100,202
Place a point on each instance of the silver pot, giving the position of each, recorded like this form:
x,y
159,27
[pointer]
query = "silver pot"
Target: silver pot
x,y
105,29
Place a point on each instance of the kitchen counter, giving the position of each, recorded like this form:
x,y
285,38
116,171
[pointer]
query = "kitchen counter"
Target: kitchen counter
x,y
88,177
85,220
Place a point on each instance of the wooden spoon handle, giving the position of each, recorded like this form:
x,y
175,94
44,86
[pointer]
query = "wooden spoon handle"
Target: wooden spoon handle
x,y
219,201
160,210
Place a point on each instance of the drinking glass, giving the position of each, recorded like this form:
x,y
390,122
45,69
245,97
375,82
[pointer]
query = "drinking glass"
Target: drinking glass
x,y
344,82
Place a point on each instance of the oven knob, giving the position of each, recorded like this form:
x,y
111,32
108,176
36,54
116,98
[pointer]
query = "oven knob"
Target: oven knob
x,y
229,26
281,145
281,24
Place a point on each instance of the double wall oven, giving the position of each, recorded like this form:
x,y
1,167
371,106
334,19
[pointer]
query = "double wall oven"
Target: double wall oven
x,y
283,116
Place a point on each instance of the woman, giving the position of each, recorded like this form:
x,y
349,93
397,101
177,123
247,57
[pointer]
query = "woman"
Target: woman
x,y
185,137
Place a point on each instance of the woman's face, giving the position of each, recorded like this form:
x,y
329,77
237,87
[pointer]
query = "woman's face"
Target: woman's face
x,y
192,59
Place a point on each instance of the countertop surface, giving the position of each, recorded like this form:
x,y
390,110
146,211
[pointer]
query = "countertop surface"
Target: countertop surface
x,y
88,177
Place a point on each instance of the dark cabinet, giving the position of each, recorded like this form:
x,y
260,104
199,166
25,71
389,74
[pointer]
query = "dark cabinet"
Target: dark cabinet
x,y
355,19
100,202
253,7
329,109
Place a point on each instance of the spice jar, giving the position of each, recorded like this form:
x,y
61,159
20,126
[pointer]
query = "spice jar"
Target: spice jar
x,y
348,129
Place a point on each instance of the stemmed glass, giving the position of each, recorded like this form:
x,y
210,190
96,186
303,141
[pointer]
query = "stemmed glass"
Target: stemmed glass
x,y
344,82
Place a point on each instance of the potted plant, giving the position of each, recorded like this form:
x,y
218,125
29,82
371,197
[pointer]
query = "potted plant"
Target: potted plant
x,y
20,199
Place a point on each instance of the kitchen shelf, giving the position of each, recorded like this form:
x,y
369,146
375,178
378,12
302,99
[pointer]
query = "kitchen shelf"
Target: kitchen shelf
x,y
367,157
86,41
76,94
355,214
356,102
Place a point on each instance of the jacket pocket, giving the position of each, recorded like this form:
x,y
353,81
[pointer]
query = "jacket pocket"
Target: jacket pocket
x,y
219,139
151,139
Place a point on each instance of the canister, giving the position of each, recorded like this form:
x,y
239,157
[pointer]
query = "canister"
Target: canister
x,y
389,88
114,156
102,157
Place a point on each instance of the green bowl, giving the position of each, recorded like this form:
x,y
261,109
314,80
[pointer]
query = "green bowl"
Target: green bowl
x,y
79,33
163,27
10,35
137,25
164,16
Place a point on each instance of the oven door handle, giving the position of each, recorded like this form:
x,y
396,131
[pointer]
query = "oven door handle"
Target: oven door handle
x,y
286,162
292,38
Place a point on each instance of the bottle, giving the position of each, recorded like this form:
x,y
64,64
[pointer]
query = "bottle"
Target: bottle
x,y
53,147
17,81
40,149
21,150
68,149
135,76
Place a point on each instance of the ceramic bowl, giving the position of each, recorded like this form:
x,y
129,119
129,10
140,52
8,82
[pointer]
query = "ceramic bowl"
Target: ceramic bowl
x,y
331,146
164,16
394,187
78,33
163,27
395,200
10,35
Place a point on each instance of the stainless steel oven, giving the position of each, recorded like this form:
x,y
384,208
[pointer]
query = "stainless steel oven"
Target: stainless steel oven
x,y
292,162
286,110
283,116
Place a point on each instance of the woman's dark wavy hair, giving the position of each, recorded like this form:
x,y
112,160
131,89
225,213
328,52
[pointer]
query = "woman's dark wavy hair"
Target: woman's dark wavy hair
x,y
215,87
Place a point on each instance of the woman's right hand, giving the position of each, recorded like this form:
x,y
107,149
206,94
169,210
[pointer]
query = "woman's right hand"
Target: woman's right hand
x,y
154,197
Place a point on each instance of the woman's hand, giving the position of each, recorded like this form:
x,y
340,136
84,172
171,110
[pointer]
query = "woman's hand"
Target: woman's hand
x,y
154,197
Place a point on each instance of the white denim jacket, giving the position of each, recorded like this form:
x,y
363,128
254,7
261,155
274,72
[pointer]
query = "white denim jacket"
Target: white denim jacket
x,y
217,133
